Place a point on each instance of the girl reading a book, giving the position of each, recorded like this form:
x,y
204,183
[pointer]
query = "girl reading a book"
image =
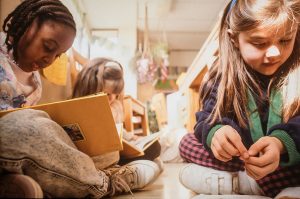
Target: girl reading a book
x,y
102,75
106,75
36,155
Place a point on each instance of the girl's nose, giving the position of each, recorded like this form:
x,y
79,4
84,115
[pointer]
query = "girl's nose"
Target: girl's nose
x,y
272,51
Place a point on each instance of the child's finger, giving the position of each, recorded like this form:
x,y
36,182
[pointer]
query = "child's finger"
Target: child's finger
x,y
257,147
221,150
260,172
250,173
219,156
230,149
261,161
236,141
226,146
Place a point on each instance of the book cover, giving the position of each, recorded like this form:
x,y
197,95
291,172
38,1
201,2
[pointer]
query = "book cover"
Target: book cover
x,y
87,120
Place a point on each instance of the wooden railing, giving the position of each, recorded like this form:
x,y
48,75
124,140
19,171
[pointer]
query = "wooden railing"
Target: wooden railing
x,y
189,85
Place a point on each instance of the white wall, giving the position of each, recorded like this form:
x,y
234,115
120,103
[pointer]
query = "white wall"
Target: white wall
x,y
6,6
182,58
125,48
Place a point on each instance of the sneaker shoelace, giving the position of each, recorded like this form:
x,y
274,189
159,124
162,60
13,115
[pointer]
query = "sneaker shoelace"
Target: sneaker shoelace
x,y
123,180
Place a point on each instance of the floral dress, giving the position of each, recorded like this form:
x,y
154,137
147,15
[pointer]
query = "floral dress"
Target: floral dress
x,y
12,92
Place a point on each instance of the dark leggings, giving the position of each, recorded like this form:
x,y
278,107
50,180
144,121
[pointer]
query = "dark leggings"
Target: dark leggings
x,y
150,154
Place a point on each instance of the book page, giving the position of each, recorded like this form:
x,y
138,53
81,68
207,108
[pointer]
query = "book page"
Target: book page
x,y
119,127
143,141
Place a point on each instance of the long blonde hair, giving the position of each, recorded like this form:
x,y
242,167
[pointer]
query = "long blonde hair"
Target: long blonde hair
x,y
230,71
91,79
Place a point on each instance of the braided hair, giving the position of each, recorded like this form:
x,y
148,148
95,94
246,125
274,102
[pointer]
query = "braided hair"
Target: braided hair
x,y
18,21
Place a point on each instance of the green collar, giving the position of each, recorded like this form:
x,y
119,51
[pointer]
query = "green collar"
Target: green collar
x,y
273,118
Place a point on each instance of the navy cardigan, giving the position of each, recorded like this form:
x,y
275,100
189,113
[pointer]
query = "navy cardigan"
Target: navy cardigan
x,y
265,120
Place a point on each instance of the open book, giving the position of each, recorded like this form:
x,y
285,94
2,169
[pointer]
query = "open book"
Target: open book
x,y
87,120
136,148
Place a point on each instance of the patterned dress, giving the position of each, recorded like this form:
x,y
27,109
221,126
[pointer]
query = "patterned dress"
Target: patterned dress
x,y
12,92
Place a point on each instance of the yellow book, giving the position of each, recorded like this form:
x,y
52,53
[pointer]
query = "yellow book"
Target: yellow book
x,y
87,120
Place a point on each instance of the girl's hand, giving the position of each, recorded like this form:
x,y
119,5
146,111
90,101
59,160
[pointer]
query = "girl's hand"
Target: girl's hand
x,y
117,111
227,143
264,157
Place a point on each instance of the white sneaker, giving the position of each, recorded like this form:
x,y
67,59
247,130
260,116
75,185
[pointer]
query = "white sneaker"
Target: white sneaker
x,y
248,185
203,180
134,175
146,173
290,192
202,196
159,163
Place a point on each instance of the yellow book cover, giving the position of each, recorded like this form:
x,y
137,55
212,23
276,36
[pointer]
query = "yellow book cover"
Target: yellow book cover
x,y
87,120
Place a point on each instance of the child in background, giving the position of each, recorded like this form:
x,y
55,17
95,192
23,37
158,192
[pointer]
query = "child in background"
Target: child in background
x,y
106,75
102,75
36,155
109,80
246,138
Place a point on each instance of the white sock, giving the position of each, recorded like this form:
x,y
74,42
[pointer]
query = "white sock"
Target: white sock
x,y
248,185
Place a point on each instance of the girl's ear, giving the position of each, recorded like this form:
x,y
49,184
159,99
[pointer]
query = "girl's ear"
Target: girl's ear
x,y
233,38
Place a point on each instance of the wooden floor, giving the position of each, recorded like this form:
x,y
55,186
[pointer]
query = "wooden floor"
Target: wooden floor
x,y
167,186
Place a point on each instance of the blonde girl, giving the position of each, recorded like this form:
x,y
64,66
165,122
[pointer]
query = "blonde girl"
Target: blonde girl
x,y
249,121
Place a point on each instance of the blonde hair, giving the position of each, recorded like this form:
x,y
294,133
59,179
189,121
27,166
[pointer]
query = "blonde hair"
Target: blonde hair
x,y
291,95
230,71
92,78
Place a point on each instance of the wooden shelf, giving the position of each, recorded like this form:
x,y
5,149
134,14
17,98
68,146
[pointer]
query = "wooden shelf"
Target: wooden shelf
x,y
136,117
202,61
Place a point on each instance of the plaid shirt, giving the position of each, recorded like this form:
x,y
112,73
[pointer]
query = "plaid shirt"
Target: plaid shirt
x,y
11,90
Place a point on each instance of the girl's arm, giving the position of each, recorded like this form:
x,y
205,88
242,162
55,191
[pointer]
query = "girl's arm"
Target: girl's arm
x,y
204,131
79,58
289,134
76,57
117,111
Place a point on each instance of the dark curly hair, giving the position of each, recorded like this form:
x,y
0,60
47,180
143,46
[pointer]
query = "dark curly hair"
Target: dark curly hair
x,y
18,21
